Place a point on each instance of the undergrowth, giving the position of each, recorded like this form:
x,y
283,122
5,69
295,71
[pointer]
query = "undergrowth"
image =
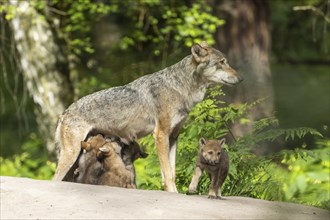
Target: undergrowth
x,y
298,175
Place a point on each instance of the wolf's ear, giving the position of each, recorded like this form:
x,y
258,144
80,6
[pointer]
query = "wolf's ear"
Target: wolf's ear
x,y
222,141
85,145
199,52
202,142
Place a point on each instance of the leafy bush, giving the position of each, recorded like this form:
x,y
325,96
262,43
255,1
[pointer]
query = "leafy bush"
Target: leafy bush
x,y
305,175
161,22
32,163
249,175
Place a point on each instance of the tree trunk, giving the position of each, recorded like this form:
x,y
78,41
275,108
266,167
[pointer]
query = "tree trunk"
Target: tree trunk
x,y
44,67
245,39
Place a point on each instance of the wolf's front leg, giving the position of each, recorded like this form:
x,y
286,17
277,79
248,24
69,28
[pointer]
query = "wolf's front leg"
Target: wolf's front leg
x,y
162,144
195,179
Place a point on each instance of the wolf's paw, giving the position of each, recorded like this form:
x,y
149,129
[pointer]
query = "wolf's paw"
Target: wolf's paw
x,y
212,197
192,189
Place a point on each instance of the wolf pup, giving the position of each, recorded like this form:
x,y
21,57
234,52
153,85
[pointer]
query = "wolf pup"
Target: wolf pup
x,y
214,160
157,103
129,154
100,164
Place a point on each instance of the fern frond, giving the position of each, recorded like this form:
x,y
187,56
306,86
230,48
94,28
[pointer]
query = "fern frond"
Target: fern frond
x,y
264,123
300,132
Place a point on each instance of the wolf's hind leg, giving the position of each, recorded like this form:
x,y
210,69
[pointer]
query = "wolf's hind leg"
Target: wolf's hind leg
x,y
69,138
172,154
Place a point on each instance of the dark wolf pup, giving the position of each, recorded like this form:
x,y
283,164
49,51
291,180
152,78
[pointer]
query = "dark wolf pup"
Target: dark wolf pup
x,y
101,163
130,153
214,160
157,103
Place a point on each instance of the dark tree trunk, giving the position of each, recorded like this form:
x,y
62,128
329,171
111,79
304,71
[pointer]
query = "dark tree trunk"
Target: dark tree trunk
x,y
245,39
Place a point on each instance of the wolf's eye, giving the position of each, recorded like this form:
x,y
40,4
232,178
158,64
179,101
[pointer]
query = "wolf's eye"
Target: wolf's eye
x,y
219,153
210,152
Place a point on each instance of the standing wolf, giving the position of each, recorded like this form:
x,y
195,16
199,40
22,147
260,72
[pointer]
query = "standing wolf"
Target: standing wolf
x,y
158,103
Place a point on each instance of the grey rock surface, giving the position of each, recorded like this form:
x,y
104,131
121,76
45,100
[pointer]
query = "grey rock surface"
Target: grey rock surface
x,y
23,198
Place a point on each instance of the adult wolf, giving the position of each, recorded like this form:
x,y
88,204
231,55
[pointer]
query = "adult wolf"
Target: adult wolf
x,y
158,103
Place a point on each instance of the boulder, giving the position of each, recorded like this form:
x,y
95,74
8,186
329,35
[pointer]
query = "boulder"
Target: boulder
x,y
23,198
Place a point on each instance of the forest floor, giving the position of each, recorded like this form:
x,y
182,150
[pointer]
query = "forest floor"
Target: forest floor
x,y
23,198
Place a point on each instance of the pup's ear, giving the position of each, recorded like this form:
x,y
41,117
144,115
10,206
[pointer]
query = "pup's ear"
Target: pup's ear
x,y
199,52
104,149
85,145
204,44
202,142
222,141
103,152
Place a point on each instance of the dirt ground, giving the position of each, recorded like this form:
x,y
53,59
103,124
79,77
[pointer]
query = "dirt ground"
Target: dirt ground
x,y
23,198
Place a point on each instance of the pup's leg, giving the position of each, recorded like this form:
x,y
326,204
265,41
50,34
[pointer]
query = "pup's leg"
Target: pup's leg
x,y
194,181
213,188
162,144
219,193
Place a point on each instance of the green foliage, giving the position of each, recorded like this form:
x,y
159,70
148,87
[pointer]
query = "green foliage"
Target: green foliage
x,y
32,163
8,10
305,175
190,24
90,85
271,178
76,20
149,169
162,22
260,134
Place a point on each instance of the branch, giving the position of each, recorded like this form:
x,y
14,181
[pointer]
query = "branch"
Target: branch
x,y
317,11
56,11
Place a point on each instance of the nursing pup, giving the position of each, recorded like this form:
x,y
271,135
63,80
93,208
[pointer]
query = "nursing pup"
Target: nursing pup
x,y
130,153
102,163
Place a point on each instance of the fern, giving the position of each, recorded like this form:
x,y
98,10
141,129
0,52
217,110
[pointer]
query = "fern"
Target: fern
x,y
249,175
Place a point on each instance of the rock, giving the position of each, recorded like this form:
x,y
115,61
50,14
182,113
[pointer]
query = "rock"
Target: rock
x,y
23,198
